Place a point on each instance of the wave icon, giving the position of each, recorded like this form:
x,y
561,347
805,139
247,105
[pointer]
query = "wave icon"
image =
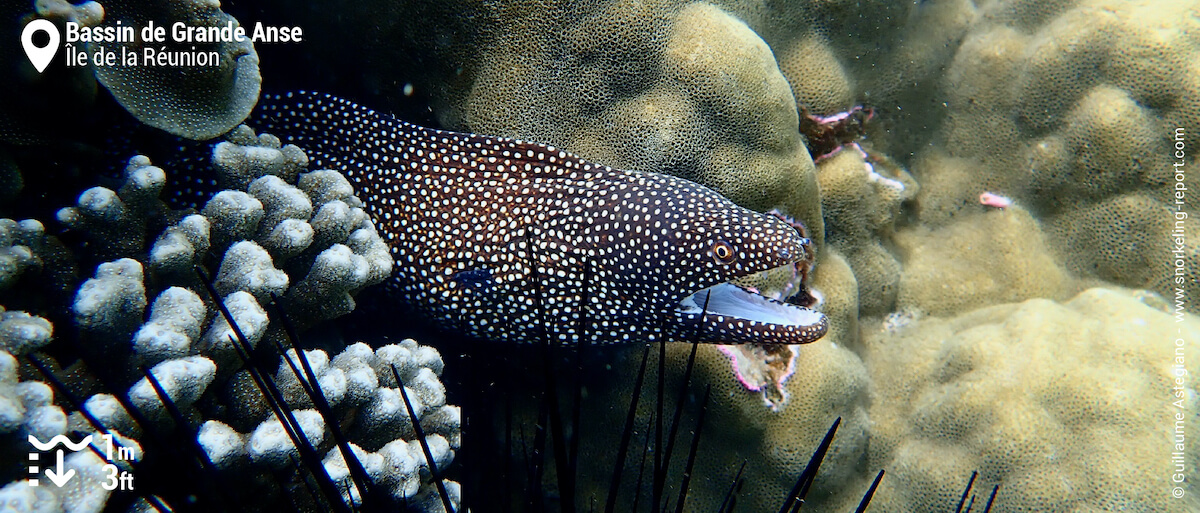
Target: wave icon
x,y
60,439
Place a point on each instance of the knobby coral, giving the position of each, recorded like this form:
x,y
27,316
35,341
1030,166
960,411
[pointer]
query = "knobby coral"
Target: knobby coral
x,y
1081,420
282,233
274,241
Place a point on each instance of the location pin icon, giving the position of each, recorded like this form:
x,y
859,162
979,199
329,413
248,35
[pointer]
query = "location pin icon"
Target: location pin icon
x,y
40,57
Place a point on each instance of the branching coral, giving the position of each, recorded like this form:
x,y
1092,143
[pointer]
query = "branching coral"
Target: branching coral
x,y
266,234
285,233
22,246
358,379
27,407
21,333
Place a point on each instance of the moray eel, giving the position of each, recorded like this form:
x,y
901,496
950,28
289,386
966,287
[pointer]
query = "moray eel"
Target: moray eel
x,y
516,241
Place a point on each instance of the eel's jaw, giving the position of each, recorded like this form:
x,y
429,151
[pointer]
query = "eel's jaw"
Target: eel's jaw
x,y
735,315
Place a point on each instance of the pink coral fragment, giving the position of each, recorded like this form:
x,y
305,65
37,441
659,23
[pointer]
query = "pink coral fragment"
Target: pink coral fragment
x,y
988,199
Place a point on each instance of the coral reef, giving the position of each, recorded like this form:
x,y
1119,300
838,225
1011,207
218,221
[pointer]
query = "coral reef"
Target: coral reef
x,y
829,381
22,247
272,238
861,201
183,381
819,82
74,496
196,102
108,307
118,221
1065,405
279,232
942,273
1098,89
664,85
358,379
27,407
21,333
935,398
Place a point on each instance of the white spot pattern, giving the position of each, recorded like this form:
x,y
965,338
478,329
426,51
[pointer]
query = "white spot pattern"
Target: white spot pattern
x,y
515,241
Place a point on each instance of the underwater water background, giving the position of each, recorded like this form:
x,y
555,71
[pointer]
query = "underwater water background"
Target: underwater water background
x,y
996,195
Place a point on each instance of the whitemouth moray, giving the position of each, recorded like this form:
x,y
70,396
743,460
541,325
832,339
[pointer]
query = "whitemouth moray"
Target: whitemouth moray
x,y
516,241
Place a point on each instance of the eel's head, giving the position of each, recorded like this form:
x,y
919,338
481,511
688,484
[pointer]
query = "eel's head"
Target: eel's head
x,y
716,244
724,311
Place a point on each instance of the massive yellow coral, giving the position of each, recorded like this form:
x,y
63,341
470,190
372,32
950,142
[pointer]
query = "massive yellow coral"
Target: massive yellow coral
x,y
819,81
1071,109
861,201
1068,407
977,261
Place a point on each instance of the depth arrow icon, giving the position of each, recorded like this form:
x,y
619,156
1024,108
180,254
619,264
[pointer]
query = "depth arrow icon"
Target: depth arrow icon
x,y
59,477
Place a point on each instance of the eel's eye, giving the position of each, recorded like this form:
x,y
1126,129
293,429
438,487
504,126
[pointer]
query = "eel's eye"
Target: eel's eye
x,y
723,253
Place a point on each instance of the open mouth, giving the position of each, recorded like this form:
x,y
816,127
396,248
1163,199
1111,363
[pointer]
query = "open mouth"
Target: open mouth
x,y
735,315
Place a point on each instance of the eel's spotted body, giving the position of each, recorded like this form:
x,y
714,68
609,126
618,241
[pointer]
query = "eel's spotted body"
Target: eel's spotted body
x,y
515,241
